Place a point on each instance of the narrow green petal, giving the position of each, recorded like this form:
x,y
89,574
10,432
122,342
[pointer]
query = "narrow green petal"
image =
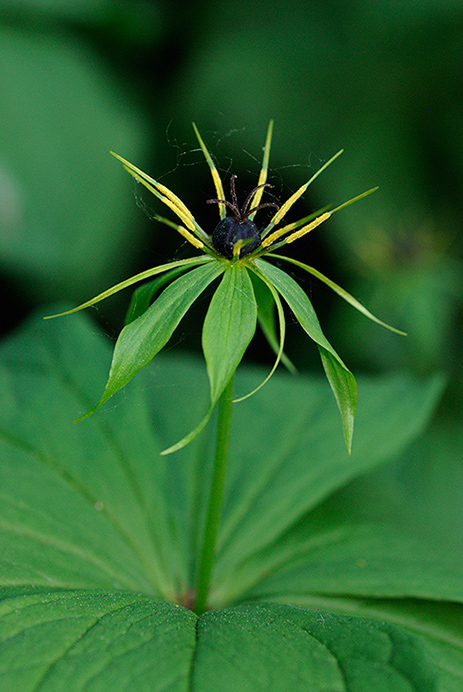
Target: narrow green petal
x,y
282,328
192,261
264,170
191,435
354,199
283,210
340,291
339,376
214,172
143,338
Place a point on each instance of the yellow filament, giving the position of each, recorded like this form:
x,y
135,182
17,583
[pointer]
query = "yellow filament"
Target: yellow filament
x,y
161,191
288,204
214,172
190,237
264,170
294,236
308,228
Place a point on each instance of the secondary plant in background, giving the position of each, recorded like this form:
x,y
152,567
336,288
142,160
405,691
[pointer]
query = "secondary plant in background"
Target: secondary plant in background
x,y
238,252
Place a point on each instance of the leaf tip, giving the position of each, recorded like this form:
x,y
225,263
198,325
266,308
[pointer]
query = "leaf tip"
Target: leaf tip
x,y
89,413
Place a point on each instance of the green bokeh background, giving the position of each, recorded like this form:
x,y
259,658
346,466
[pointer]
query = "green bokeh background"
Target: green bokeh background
x,y
381,80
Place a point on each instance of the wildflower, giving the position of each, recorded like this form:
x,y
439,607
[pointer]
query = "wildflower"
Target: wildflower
x,y
238,252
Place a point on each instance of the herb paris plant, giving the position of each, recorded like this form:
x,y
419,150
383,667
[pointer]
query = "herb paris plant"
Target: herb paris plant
x,y
238,252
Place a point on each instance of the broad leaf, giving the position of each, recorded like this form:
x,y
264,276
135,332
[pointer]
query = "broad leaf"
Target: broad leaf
x,y
94,506
438,624
86,640
288,459
340,378
76,641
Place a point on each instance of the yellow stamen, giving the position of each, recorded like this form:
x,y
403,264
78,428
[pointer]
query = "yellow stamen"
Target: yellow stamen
x,y
162,192
237,248
289,203
306,229
214,172
264,170
294,236
190,237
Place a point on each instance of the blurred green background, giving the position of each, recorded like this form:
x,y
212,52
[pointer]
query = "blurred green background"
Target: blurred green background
x,y
381,80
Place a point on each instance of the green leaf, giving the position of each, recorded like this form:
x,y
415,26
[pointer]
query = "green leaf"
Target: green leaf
x,y
340,378
375,560
288,459
143,338
95,508
81,640
278,647
229,327
84,640
438,625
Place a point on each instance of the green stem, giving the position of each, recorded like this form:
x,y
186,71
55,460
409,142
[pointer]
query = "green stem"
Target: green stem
x,y
215,499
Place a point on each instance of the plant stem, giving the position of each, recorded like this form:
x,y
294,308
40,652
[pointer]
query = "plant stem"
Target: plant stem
x,y
215,499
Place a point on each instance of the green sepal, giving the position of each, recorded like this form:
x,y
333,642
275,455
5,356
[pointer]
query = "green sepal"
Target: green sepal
x,y
190,262
143,338
144,294
339,376
282,333
266,318
228,328
339,290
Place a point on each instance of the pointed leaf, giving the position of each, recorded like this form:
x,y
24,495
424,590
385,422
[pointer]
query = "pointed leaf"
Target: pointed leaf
x,y
143,338
229,327
340,378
